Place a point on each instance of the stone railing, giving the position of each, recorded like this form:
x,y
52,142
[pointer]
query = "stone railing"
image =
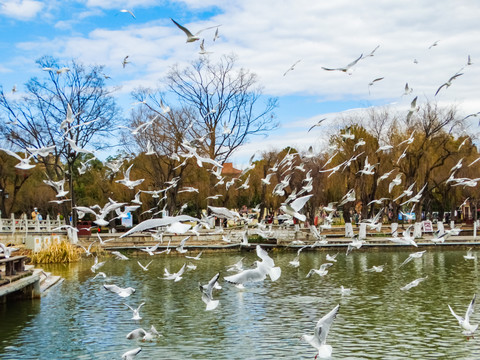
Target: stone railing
x,y
23,225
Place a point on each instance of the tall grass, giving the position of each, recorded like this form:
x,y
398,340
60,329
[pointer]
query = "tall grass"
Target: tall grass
x,y
63,252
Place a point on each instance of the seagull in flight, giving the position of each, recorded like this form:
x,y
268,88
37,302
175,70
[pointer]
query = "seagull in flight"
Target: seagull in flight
x,y
129,12
347,69
207,296
136,312
319,339
291,67
317,124
465,322
191,37
123,292
130,354
413,284
24,164
449,82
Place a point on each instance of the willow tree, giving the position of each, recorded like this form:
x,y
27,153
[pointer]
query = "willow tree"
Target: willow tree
x,y
38,118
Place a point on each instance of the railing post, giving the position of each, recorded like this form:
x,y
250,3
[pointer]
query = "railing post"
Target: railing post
x,y
49,225
13,223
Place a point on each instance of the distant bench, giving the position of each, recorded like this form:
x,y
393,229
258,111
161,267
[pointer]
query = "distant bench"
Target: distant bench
x,y
13,265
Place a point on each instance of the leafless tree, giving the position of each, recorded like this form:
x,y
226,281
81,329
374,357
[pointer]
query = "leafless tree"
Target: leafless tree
x,y
38,118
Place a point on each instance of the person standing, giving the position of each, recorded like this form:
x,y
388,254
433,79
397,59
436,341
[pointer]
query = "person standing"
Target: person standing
x,y
34,213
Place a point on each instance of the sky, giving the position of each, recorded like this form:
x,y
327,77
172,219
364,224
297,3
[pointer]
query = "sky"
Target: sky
x,y
268,37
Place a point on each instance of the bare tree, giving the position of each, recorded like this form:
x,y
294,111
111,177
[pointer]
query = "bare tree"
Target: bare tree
x,y
39,118
225,103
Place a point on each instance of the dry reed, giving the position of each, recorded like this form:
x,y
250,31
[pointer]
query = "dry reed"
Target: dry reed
x,y
63,252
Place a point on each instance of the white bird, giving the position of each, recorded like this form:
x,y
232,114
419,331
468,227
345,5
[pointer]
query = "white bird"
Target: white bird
x,y
144,267
130,354
355,244
97,265
322,271
318,123
42,151
469,255
87,250
144,335
416,255
413,284
375,268
123,292
238,266
292,67
346,69
319,339
7,251
151,249
126,180
153,223
191,37
136,312
180,248
119,255
195,257
295,206
345,291
264,268
76,148
331,258
449,82
207,296
174,276
465,322
24,163
395,182
128,11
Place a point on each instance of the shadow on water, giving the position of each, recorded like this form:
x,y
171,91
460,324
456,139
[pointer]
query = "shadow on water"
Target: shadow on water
x,y
378,320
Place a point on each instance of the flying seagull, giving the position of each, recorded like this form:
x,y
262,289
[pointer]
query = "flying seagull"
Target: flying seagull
x,y
449,82
291,67
317,124
347,69
190,36
128,11
465,322
319,339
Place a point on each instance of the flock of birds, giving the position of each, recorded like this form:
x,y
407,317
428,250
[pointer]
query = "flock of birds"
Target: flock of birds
x,y
291,209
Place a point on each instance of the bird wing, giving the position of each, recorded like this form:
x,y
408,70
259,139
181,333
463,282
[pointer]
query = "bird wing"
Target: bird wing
x,y
323,325
262,254
300,202
136,334
470,308
249,275
355,61
459,318
11,153
440,88
112,288
184,29
151,223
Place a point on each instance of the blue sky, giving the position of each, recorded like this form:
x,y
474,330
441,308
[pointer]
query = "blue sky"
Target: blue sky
x,y
268,37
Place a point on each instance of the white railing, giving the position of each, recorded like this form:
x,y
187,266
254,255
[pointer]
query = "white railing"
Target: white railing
x,y
24,225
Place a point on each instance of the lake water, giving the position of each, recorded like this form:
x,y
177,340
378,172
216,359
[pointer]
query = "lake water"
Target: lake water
x,y
81,320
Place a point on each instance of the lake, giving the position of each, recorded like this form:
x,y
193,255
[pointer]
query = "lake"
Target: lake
x,y
79,319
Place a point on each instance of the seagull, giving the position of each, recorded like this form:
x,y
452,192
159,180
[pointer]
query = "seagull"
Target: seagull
x,y
238,266
97,265
207,297
264,268
469,255
374,268
331,257
144,335
291,67
136,312
465,322
194,257
413,284
347,69
449,82
7,251
413,108
145,268
412,256
128,11
322,271
317,124
123,292
130,354
87,250
119,255
434,44
24,163
180,248
126,180
125,61
355,244
396,181
174,276
151,249
408,90
190,36
344,290
295,206
373,82
319,339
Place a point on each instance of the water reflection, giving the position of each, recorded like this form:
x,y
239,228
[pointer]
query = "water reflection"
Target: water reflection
x,y
80,319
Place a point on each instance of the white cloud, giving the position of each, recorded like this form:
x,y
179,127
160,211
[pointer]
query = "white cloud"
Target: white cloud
x,y
21,9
